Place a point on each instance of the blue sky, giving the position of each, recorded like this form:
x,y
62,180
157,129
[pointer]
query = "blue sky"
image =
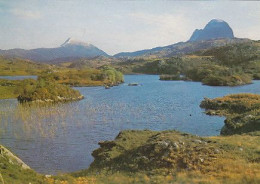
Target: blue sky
x,y
116,26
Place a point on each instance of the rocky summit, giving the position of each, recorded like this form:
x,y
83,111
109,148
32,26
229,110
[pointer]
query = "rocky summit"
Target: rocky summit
x,y
215,29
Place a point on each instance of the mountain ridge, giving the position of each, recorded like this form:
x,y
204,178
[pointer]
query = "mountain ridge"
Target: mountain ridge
x,y
181,48
216,33
69,48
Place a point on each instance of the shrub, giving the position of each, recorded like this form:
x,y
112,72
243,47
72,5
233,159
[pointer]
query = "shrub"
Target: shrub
x,y
47,89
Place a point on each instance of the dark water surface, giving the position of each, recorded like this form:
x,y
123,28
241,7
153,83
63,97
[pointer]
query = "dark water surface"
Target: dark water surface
x,y
61,138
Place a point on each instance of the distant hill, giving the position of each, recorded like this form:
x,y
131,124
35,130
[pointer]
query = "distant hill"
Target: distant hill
x,y
69,49
181,48
82,63
215,29
244,54
16,66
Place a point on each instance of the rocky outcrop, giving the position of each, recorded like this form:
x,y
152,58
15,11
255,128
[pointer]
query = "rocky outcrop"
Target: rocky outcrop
x,y
12,158
215,29
159,150
242,112
57,99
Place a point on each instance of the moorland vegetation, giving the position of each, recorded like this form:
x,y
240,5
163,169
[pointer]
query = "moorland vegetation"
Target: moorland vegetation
x,y
230,65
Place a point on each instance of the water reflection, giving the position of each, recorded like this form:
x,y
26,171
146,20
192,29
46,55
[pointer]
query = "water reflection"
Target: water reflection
x,y
21,77
34,119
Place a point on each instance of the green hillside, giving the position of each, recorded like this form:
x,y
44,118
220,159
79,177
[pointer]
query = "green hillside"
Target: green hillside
x,y
16,66
230,65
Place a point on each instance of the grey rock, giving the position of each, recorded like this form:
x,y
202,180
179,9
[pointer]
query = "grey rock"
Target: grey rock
x,y
216,151
197,141
215,29
163,144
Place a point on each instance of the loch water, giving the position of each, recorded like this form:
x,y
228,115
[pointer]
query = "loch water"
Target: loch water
x,y
61,137
19,77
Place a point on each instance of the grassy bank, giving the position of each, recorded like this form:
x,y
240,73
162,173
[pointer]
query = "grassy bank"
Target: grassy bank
x,y
10,88
13,170
242,112
170,156
7,92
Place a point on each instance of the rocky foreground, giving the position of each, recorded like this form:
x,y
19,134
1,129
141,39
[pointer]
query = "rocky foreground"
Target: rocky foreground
x,y
158,157
176,157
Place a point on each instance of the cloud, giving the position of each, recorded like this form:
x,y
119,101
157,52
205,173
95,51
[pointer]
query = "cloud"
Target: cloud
x,y
165,26
25,14
142,30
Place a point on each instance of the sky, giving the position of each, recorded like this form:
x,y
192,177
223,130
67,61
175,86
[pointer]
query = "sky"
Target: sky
x,y
116,25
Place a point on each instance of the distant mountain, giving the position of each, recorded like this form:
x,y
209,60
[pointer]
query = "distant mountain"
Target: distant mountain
x,y
215,29
216,33
69,49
